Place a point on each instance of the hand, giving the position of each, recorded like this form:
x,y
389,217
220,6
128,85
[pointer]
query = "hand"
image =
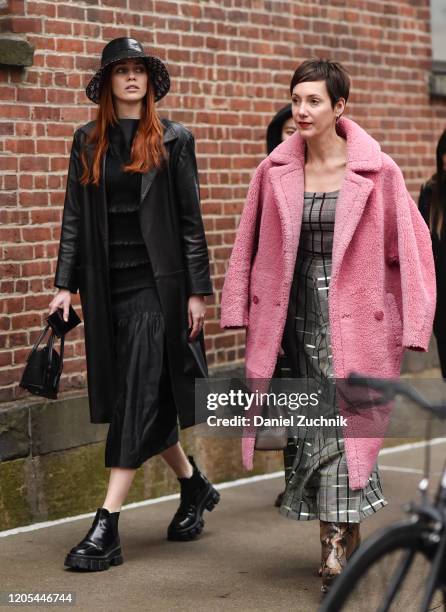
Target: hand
x,y
196,309
62,299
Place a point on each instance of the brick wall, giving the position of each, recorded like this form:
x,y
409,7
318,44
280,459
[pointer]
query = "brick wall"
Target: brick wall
x,y
230,63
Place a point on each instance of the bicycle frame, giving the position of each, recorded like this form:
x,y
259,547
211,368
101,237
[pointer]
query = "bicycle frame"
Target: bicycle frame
x,y
431,515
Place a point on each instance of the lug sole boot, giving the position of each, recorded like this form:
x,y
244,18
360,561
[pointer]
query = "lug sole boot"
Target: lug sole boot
x,y
101,546
338,541
197,495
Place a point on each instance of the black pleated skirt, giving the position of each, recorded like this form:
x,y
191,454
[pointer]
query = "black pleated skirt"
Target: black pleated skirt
x,y
144,421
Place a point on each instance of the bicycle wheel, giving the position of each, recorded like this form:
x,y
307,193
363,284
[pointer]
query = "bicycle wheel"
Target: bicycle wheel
x,y
388,573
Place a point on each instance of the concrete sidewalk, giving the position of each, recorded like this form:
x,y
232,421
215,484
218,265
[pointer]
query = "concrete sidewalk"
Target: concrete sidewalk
x,y
249,557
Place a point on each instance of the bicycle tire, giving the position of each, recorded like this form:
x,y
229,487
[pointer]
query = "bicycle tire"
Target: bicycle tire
x,y
403,536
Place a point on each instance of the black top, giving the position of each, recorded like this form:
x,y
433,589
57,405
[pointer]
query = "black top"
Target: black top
x,y
439,251
130,266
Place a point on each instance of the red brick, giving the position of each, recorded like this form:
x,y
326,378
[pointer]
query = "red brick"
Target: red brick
x,y
99,15
5,323
60,61
44,216
16,7
45,113
37,302
5,359
35,285
6,129
35,268
89,30
14,111
69,45
17,253
41,8
50,147
68,12
61,28
13,305
9,234
128,19
31,95
20,146
33,164
9,376
22,25
7,93
141,6
20,356
33,198
170,8
35,234
8,198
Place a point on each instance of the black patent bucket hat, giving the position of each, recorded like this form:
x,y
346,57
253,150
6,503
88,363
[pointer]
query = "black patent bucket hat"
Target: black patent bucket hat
x,y
126,48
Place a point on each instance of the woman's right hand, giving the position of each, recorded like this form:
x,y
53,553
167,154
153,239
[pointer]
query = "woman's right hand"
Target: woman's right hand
x,y
62,299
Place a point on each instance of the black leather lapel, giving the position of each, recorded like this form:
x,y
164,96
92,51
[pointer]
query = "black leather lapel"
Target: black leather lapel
x,y
148,177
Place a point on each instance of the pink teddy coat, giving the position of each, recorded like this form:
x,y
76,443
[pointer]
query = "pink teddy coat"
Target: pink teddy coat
x,y
382,289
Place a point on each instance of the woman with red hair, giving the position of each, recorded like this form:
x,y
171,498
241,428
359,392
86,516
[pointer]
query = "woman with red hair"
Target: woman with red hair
x,y
132,242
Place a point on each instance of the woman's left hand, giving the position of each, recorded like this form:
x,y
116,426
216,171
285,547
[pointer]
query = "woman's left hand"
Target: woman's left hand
x,y
196,310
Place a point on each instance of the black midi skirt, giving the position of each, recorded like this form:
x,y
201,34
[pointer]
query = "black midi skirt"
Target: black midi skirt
x,y
144,421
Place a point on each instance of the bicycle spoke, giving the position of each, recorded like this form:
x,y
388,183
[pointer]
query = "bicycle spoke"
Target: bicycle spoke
x,y
396,581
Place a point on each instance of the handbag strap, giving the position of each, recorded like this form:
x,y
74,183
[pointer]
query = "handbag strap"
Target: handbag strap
x,y
62,344
39,339
50,355
51,348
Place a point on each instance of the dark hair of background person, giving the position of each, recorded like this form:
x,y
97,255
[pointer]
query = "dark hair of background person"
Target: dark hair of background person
x,y
438,204
147,151
334,74
274,130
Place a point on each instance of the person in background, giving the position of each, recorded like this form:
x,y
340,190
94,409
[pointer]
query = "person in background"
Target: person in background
x,y
280,128
432,205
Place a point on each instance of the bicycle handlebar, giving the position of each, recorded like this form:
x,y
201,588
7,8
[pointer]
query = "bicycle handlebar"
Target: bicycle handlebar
x,y
390,388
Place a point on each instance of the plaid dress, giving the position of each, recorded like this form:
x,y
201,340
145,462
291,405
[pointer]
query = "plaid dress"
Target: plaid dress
x,y
317,485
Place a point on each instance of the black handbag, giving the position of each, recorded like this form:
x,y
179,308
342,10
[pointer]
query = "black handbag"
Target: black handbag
x,y
44,367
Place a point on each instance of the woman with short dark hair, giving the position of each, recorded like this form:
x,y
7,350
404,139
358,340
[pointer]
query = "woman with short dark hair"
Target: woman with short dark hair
x,y
133,244
332,261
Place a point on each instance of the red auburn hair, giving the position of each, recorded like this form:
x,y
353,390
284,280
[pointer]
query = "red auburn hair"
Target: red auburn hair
x,y
147,150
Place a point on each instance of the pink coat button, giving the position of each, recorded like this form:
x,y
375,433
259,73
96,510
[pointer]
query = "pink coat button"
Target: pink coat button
x,y
379,315
255,299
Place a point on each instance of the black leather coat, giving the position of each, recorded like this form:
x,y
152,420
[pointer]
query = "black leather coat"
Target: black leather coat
x,y
173,232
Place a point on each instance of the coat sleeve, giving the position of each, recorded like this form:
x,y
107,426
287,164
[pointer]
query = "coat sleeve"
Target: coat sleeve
x,y
417,270
66,277
235,294
195,249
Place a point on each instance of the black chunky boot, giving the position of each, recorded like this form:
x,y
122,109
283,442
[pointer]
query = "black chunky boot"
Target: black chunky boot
x,y
197,495
101,546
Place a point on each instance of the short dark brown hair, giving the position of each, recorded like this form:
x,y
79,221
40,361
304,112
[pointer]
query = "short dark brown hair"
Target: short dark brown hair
x,y
334,74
